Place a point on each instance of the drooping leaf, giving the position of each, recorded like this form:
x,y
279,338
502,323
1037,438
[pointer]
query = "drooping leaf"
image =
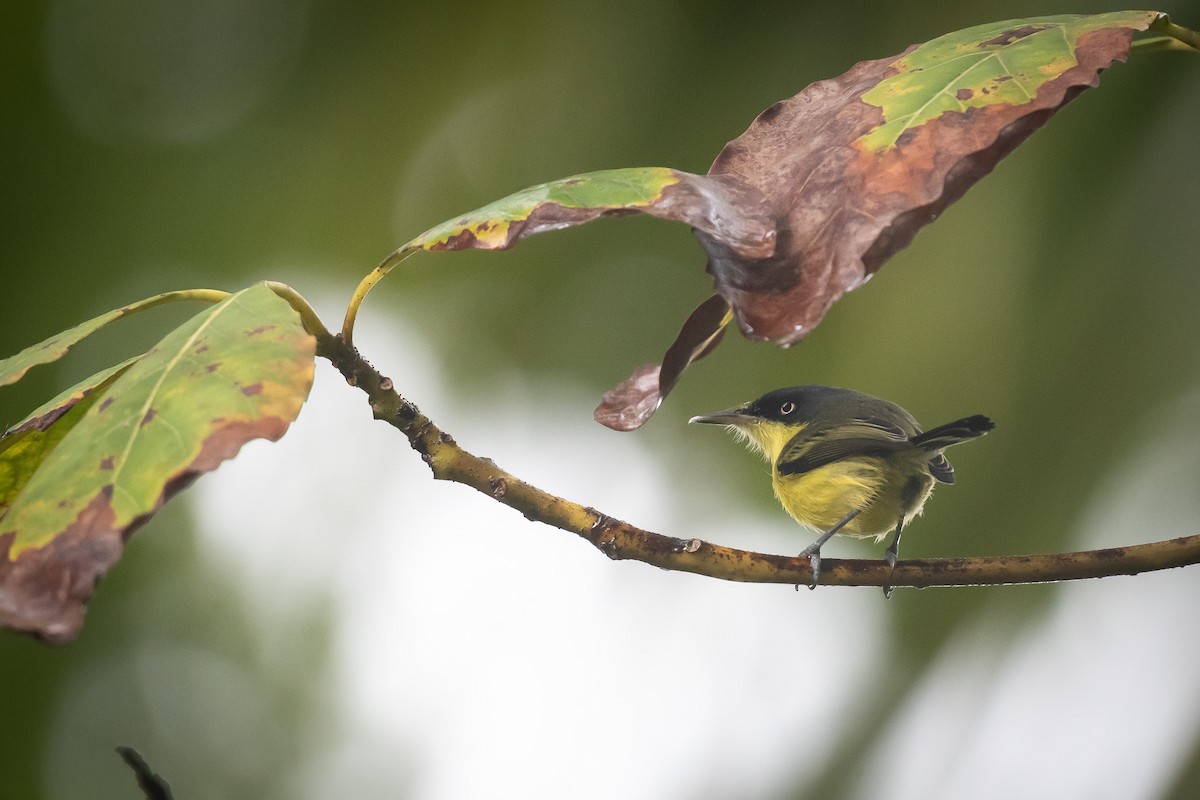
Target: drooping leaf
x,y
852,167
13,368
236,372
728,210
630,404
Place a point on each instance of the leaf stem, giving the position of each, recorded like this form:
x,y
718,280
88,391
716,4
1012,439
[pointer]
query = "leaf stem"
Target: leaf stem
x,y
365,285
620,540
308,316
1160,44
1189,37
1172,37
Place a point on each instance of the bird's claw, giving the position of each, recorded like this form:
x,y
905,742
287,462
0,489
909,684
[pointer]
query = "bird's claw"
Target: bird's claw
x,y
814,561
890,557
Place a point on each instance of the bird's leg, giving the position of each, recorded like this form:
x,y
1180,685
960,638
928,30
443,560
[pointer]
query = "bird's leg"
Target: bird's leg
x,y
813,551
891,554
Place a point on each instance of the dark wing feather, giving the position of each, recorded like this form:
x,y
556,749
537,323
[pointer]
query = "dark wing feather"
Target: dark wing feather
x,y
815,447
939,468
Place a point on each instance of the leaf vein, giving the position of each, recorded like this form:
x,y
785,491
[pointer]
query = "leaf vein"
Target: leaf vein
x,y
136,428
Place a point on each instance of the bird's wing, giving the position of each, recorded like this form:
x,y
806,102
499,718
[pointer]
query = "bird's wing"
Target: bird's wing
x,y
815,447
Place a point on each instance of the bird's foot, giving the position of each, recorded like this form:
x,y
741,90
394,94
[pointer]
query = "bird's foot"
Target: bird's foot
x,y
890,557
813,551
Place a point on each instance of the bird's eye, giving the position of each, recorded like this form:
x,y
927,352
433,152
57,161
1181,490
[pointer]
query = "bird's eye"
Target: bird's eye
x,y
787,407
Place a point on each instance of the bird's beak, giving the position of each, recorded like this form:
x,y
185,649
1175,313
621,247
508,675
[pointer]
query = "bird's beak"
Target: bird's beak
x,y
730,416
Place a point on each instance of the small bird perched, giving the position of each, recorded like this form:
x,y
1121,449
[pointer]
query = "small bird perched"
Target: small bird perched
x,y
845,462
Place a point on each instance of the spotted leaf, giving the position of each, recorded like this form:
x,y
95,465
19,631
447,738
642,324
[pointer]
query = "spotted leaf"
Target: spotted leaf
x,y
236,372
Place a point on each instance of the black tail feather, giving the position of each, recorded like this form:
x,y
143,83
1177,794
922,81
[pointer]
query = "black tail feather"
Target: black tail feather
x,y
952,433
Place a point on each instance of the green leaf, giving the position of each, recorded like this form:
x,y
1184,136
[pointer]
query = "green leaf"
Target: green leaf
x,y
13,368
236,372
999,63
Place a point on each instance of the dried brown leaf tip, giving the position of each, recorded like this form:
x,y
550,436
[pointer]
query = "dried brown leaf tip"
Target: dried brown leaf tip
x,y
629,405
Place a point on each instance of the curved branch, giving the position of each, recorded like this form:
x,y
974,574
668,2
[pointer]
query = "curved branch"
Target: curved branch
x,y
620,540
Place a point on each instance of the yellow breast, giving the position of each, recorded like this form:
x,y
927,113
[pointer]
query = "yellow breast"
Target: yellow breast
x,y
878,486
820,498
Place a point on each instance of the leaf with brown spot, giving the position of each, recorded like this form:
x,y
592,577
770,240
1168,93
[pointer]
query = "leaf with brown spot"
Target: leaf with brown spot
x,y
163,422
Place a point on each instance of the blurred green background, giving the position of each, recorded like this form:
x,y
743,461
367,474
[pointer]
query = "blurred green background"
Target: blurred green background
x,y
148,146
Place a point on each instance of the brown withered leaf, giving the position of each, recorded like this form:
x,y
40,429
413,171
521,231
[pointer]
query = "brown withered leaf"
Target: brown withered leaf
x,y
856,165
851,168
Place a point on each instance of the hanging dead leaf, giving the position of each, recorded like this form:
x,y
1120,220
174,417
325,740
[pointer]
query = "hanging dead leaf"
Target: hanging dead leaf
x,y
853,167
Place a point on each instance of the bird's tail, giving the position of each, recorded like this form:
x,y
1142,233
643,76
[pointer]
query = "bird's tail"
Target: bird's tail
x,y
951,433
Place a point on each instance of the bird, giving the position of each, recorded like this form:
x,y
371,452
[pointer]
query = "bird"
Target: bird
x,y
844,462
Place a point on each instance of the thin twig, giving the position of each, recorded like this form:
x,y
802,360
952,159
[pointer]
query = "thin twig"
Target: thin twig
x,y
151,784
620,540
